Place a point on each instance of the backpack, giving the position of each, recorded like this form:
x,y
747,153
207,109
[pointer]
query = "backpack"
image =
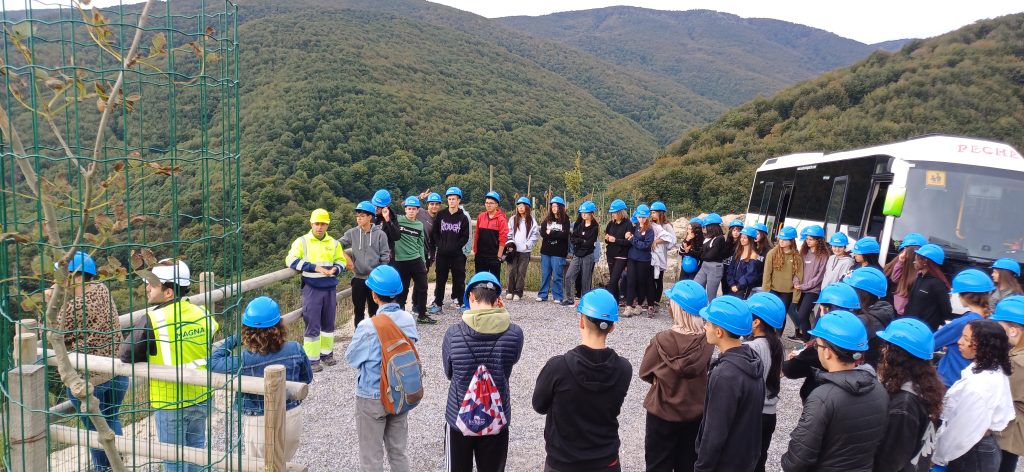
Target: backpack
x,y
482,412
401,379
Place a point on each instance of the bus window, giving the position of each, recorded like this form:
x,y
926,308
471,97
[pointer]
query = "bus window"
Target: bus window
x,y
875,220
835,204
783,209
766,199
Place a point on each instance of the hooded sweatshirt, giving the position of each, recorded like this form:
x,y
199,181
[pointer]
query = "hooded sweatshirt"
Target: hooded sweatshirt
x,y
369,249
581,392
676,366
729,439
449,233
876,318
842,424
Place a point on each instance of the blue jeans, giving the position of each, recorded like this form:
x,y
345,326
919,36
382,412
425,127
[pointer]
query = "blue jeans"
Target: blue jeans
x,y
551,272
110,394
185,426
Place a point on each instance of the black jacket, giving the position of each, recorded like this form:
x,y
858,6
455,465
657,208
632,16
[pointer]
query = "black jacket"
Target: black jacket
x,y
620,248
554,238
583,238
581,392
449,233
876,318
905,434
715,250
928,301
390,229
729,439
841,426
804,366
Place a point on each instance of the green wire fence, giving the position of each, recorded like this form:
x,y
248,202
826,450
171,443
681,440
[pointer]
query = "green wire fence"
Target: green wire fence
x,y
119,138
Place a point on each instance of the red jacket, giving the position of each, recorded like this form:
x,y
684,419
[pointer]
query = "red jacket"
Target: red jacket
x,y
491,234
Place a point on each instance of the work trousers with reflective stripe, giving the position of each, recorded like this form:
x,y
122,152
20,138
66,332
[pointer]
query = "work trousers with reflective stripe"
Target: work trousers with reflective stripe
x,y
319,307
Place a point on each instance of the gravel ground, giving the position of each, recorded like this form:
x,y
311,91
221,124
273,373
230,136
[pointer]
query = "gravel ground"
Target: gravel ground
x,y
329,439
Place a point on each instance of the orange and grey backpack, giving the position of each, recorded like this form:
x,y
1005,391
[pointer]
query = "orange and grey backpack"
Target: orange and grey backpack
x,y
401,374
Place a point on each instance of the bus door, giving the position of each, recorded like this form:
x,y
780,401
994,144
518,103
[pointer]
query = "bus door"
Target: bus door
x,y
874,220
783,208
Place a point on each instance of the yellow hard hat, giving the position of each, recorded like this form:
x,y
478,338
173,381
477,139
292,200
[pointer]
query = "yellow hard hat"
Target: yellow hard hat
x,y
320,216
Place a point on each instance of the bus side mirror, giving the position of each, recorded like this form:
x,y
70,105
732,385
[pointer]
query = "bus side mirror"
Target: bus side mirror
x,y
894,197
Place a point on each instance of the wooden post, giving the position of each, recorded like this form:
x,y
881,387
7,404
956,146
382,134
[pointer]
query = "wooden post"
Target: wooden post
x,y
206,284
25,326
274,417
27,418
26,349
529,184
491,184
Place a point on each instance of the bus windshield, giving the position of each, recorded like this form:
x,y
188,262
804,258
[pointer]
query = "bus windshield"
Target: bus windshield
x,y
974,213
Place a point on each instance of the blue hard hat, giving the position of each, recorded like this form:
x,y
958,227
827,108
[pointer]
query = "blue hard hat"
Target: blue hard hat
x,y
412,201
972,281
1007,264
1010,309
787,233
737,223
659,206
558,200
697,220
913,239
642,211
381,198
525,201
599,304
365,207
839,240
493,195
712,219
261,312
617,205
761,227
634,220
587,207
385,281
689,295
453,191
841,295
729,313
434,197
481,278
933,253
690,265
769,307
843,329
813,231
868,245
912,335
749,232
80,262
868,279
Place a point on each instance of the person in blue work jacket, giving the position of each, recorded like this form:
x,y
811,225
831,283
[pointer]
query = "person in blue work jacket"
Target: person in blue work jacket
x,y
974,287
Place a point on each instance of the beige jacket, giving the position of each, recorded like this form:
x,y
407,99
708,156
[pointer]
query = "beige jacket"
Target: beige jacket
x,y
1012,438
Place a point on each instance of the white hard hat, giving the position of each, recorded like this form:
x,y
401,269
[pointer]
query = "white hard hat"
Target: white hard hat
x,y
171,271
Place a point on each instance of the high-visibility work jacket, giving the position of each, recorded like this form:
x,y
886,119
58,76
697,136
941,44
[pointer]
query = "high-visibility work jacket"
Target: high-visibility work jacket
x,y
183,332
308,253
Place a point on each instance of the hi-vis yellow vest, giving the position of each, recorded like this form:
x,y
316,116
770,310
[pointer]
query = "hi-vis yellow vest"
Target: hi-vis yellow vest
x,y
324,252
183,332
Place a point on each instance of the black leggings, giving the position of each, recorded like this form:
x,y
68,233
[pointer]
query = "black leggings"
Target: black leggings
x,y
767,430
615,270
803,312
787,299
640,282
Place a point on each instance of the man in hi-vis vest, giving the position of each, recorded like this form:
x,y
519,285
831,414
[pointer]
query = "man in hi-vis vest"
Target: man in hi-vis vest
x,y
175,333
321,259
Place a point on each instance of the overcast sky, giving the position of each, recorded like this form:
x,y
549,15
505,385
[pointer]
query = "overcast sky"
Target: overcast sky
x,y
868,21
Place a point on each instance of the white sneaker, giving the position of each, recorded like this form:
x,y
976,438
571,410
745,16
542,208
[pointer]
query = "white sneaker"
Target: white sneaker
x,y
509,296
518,297
539,299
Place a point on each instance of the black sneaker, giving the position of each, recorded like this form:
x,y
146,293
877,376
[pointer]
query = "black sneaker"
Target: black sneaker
x,y
424,319
567,302
328,360
316,366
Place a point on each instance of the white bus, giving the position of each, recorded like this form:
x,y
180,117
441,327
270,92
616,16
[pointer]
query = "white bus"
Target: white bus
x,y
964,194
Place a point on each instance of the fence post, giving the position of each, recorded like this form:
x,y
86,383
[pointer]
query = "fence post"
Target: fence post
x,y
274,417
206,283
27,325
26,347
27,409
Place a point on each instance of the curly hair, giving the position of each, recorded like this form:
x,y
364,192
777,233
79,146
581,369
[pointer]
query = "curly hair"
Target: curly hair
x,y
265,340
991,345
779,257
821,250
897,367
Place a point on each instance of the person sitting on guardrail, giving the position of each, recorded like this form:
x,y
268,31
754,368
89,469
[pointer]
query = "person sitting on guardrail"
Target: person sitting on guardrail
x,y
174,333
265,341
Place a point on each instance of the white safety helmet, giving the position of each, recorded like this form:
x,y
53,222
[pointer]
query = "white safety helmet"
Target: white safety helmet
x,y
171,271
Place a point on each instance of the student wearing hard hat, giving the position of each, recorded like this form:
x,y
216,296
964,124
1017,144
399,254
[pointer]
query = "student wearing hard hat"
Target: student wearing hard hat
x,y
178,334
554,248
375,427
366,246
450,234
746,267
783,270
491,236
426,216
876,313
582,238
915,396
264,342
732,240
320,259
581,392
1005,272
712,255
385,217
675,363
763,241
692,245
639,276
616,245
839,264
973,287
844,418
1010,315
769,315
929,295
865,253
815,254
729,438
523,232
900,270
410,260
89,320
804,362
664,239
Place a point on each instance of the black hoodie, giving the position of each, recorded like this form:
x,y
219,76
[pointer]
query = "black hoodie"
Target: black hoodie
x,y
842,424
449,233
876,318
581,392
729,439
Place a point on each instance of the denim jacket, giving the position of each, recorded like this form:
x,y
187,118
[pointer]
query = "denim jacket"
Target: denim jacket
x,y
364,351
291,356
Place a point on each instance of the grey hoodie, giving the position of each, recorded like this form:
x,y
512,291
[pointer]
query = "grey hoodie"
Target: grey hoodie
x,y
368,249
